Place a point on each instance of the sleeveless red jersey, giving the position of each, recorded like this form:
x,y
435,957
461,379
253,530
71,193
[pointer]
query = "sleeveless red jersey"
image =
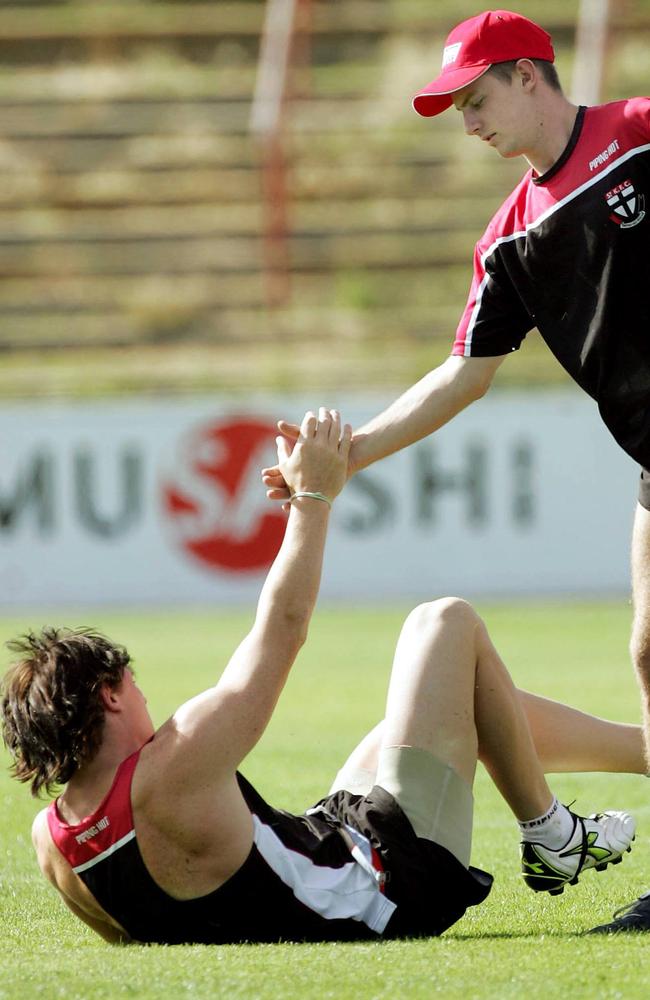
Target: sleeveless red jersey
x,y
350,868
299,881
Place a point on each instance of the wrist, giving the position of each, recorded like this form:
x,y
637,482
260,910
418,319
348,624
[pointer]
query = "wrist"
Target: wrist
x,y
308,496
357,460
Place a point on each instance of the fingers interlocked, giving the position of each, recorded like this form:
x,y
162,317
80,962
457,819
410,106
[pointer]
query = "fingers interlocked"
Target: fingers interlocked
x,y
326,426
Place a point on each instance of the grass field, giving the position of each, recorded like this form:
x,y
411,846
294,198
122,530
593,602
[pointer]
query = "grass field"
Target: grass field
x,y
515,945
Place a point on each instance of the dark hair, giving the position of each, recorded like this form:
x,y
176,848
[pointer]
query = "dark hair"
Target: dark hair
x,y
504,71
51,705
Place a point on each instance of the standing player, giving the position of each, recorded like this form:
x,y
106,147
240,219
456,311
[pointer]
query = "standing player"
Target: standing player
x,y
568,253
156,837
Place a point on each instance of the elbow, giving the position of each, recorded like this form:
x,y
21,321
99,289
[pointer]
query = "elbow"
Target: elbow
x,y
284,624
468,379
301,640
301,635
478,388
295,628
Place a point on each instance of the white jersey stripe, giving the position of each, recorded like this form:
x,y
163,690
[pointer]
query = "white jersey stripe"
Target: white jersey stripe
x,y
105,854
533,225
346,893
467,349
564,201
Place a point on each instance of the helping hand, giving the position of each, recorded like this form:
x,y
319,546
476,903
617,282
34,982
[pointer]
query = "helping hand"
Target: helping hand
x,y
316,461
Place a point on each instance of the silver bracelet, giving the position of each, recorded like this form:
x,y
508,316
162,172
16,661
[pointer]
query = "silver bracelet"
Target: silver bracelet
x,y
314,496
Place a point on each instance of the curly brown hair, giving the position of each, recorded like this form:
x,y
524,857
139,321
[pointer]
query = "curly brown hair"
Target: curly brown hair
x,y
52,713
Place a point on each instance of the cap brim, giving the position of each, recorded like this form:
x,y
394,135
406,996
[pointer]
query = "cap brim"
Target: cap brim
x,y
436,96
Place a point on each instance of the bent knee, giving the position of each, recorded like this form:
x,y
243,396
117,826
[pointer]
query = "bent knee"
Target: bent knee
x,y
451,611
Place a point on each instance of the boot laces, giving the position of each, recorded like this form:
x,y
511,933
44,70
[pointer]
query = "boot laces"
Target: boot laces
x,y
630,908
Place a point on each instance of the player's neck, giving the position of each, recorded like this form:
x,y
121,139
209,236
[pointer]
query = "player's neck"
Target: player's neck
x,y
556,120
91,782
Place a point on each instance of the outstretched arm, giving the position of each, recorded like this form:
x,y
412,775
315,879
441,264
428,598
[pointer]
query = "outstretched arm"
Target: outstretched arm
x,y
216,730
422,409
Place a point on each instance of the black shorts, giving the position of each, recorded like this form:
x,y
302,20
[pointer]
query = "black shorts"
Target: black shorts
x,y
431,888
644,489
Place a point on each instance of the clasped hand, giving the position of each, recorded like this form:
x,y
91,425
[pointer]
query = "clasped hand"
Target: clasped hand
x,y
316,462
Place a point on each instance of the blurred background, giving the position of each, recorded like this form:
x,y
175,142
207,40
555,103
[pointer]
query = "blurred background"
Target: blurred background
x,y
134,233
220,201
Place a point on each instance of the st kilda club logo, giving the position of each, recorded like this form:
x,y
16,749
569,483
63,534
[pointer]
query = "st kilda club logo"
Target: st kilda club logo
x,y
213,499
627,204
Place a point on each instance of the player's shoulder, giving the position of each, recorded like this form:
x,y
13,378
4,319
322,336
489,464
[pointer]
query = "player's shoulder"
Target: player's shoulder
x,y
510,218
630,105
637,109
42,841
40,828
629,109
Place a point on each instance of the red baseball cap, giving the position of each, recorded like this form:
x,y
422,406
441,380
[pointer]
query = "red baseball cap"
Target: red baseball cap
x,y
476,44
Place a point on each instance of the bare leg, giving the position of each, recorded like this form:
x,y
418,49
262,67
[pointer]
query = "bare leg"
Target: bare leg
x,y
569,740
365,755
449,694
506,746
640,642
430,702
564,738
450,702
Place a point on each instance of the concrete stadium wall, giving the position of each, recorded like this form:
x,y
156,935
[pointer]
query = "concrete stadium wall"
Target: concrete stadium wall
x,y
160,502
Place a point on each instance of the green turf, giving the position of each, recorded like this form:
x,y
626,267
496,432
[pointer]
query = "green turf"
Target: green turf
x,y
516,945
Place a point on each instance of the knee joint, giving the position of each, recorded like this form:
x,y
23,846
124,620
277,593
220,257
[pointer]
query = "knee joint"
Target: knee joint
x,y
444,610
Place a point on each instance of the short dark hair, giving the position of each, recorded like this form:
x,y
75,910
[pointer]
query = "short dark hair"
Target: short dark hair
x,y
504,71
52,713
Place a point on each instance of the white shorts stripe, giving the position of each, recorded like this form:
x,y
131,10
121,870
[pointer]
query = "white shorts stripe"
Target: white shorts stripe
x,y
343,893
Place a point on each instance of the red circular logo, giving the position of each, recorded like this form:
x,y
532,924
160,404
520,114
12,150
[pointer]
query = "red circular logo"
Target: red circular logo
x,y
216,502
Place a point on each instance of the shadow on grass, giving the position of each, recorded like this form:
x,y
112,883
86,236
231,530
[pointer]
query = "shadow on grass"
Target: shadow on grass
x,y
516,935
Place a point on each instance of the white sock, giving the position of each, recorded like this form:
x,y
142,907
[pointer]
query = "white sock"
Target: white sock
x,y
553,829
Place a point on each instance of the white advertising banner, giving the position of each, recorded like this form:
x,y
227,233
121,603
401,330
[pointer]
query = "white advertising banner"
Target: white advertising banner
x,y
161,503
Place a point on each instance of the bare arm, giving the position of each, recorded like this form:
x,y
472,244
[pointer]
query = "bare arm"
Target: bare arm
x,y
71,889
422,409
102,927
212,733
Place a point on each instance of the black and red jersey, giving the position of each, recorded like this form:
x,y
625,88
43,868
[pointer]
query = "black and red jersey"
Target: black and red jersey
x,y
569,253
299,882
350,868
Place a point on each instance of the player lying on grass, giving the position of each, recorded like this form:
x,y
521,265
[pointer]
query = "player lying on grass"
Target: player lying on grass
x,y
157,838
